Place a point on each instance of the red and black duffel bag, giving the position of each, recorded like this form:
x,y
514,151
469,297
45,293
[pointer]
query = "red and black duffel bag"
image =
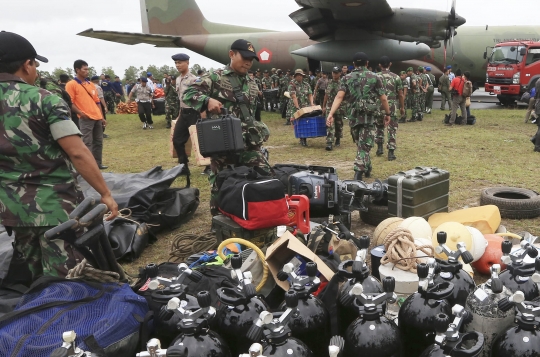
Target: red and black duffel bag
x,y
251,199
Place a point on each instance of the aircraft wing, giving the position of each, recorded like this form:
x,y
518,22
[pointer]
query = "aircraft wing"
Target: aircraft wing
x,y
320,18
132,38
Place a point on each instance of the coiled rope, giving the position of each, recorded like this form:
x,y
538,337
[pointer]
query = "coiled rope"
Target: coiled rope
x,y
401,250
85,271
186,244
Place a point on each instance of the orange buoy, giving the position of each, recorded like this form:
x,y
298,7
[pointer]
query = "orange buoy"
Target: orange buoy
x,y
491,256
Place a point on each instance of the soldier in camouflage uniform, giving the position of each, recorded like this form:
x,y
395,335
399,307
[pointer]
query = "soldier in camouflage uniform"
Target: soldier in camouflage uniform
x,y
38,165
410,93
416,83
405,83
283,100
214,91
423,91
361,89
275,85
394,93
301,97
108,93
335,129
320,89
172,102
430,90
267,85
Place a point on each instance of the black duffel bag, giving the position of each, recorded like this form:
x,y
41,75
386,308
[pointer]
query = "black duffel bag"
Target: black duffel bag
x,y
171,208
128,238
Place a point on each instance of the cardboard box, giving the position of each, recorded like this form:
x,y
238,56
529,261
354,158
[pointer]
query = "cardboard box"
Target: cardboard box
x,y
201,161
286,248
306,110
172,150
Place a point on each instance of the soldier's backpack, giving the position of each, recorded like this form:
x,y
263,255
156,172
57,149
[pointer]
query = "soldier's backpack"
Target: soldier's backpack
x,y
107,319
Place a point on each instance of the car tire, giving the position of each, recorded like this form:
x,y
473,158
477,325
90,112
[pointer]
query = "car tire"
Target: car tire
x,y
376,213
514,203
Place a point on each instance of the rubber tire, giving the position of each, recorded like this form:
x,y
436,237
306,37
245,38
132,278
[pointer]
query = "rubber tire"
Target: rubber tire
x,y
513,208
375,214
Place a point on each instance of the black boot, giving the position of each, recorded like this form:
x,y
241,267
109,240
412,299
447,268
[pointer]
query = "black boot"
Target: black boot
x,y
402,120
420,117
391,156
368,173
329,147
303,142
358,175
338,143
288,122
380,150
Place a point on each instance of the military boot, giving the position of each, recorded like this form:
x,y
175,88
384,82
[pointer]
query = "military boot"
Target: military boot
x,y
412,120
368,172
420,117
338,143
402,120
329,147
380,150
358,175
391,156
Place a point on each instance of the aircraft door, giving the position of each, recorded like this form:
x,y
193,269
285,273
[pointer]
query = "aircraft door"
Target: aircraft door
x,y
314,65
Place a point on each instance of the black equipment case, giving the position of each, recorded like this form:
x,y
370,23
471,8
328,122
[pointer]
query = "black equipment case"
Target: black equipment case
x,y
420,192
220,136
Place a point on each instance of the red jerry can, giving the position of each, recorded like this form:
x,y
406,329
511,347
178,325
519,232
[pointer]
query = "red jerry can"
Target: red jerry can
x,y
299,212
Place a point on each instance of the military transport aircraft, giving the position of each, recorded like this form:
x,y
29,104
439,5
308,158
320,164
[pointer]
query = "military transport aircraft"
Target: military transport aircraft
x,y
333,30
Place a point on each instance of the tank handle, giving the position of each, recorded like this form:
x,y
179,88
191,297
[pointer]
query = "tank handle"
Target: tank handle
x,y
472,351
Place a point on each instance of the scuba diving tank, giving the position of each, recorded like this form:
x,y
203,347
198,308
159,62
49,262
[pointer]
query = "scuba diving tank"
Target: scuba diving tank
x,y
310,321
517,276
451,270
153,349
276,332
165,322
483,304
449,342
357,272
68,348
196,339
522,340
335,348
238,308
417,315
372,334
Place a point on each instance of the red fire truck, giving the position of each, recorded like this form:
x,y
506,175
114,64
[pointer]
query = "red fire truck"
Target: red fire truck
x,y
513,68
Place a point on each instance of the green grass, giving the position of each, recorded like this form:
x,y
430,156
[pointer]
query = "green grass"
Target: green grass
x,y
494,152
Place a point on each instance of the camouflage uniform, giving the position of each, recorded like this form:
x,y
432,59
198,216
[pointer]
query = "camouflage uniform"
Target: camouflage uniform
x,y
362,89
267,84
444,89
302,90
431,89
109,96
423,95
217,85
38,185
415,93
393,86
172,103
336,129
405,84
283,100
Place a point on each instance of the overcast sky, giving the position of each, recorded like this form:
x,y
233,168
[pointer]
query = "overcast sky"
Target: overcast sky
x,y
52,25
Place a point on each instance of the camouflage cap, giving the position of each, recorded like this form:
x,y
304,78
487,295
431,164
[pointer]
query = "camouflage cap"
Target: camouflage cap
x,y
273,69
420,69
410,69
402,72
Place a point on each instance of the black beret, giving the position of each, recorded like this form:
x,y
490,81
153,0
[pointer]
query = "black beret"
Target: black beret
x,y
180,57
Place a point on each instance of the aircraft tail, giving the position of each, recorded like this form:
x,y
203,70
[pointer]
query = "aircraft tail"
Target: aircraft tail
x,y
182,18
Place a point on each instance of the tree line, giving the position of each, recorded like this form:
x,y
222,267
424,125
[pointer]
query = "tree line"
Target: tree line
x,y
130,74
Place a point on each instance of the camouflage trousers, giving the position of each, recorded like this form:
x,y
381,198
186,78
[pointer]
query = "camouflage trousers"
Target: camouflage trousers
x,y
416,104
409,100
118,99
250,157
43,256
362,135
172,110
392,132
109,99
422,101
335,130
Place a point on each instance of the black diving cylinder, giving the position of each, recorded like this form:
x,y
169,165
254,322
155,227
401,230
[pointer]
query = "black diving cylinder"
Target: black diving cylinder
x,y
517,276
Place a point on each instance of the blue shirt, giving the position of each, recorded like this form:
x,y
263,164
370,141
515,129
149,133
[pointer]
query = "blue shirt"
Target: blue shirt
x,y
106,85
533,92
117,87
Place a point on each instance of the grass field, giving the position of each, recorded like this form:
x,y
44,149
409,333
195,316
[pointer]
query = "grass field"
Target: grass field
x,y
494,152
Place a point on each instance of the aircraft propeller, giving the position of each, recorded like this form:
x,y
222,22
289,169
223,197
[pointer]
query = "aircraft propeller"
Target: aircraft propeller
x,y
454,21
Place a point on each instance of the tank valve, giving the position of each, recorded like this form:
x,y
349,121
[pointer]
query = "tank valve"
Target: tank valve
x,y
453,255
516,258
153,349
69,349
255,350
